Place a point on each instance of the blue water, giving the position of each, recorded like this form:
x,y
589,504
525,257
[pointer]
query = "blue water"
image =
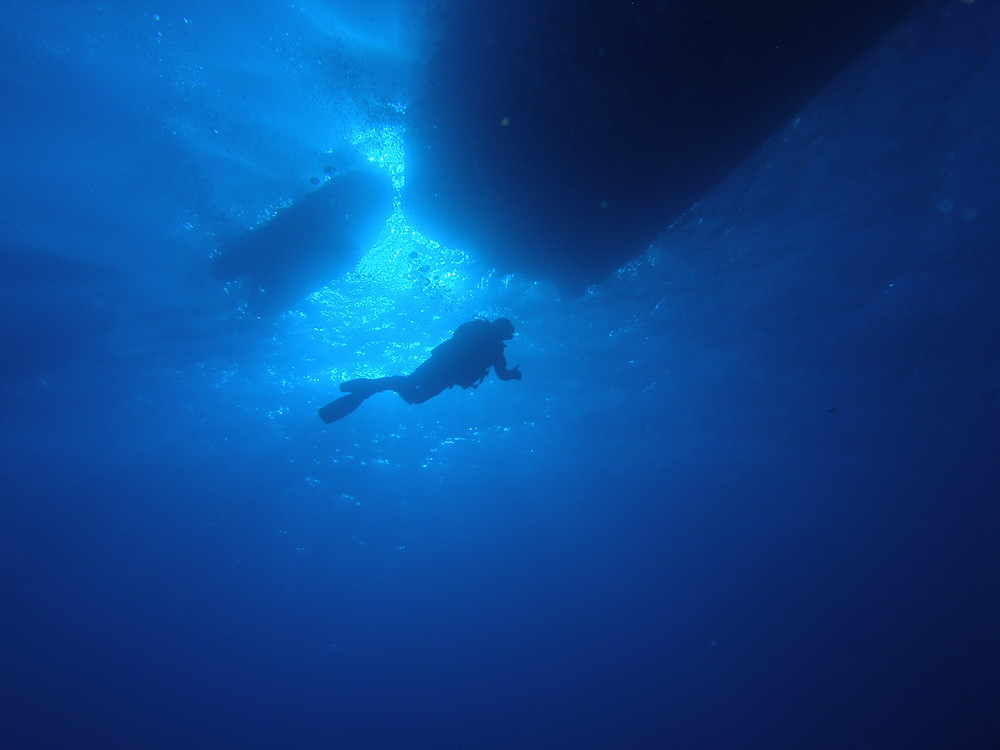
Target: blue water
x,y
746,495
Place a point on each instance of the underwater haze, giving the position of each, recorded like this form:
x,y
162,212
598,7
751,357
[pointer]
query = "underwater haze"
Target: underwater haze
x,y
747,494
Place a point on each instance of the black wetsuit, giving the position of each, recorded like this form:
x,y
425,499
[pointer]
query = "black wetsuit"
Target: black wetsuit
x,y
463,360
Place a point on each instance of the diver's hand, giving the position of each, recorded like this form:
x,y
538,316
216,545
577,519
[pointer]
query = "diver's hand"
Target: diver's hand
x,y
515,372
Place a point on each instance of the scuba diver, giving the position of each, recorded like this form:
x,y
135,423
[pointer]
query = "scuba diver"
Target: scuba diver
x,y
464,359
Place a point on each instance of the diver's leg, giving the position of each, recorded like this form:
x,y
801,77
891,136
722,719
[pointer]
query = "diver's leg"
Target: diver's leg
x,y
371,386
424,383
357,390
412,389
416,392
403,385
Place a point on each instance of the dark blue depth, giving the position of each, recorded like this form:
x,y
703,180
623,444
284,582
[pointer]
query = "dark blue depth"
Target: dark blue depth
x,y
745,495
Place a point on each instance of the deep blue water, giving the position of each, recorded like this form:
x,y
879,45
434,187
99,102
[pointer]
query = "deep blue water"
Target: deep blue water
x,y
746,495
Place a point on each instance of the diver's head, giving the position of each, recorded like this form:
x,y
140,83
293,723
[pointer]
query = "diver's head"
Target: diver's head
x,y
504,328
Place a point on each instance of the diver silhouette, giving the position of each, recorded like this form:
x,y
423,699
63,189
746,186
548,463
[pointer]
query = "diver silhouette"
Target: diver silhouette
x,y
465,359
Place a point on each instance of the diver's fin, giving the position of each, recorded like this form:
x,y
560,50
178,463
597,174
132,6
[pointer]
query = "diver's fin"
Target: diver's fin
x,y
341,407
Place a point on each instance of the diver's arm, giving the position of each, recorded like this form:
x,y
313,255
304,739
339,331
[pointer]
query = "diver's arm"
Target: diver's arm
x,y
500,368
